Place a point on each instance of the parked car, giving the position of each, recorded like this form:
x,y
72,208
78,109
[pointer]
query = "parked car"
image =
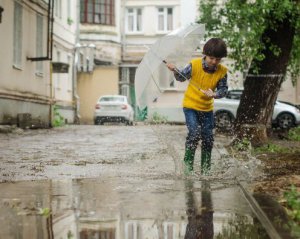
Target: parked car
x,y
113,108
284,115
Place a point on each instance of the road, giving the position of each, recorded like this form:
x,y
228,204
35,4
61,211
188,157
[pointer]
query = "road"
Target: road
x,y
119,182
110,151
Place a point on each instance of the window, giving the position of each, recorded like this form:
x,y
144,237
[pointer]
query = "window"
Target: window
x,y
57,8
39,42
17,40
134,20
165,19
97,12
69,13
58,75
70,73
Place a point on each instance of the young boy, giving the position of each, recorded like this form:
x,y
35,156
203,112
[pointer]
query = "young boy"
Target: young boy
x,y
206,75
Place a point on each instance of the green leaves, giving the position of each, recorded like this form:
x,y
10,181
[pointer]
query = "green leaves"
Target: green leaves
x,y
242,22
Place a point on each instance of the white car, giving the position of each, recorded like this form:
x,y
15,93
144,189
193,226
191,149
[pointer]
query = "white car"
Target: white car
x,y
113,108
284,115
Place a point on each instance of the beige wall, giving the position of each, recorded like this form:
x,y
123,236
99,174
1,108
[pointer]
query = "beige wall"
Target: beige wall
x,y
22,89
104,80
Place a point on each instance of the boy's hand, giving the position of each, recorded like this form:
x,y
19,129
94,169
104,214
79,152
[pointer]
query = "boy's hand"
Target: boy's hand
x,y
208,93
171,66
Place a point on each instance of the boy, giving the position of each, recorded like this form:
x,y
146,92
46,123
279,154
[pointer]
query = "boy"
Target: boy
x,y
206,75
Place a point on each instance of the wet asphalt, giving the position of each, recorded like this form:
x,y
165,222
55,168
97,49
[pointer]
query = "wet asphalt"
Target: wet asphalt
x,y
116,181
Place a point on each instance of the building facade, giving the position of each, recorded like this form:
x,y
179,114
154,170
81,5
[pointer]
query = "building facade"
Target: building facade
x,y
25,84
64,39
100,39
37,79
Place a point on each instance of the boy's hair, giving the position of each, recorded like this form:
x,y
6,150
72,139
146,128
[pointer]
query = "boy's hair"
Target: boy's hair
x,y
215,47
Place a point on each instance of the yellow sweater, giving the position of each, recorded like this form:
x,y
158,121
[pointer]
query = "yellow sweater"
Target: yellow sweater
x,y
193,97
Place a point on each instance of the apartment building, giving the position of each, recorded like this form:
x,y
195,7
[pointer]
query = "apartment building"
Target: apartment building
x,y
65,37
31,85
99,53
25,87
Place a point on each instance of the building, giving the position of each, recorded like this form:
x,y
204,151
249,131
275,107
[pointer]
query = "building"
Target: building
x,y
36,85
25,85
65,36
98,72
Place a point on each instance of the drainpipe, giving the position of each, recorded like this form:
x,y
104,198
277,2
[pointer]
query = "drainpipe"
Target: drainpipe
x,y
1,10
75,62
51,97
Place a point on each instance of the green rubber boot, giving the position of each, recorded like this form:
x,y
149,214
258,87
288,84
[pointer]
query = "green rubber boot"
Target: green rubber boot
x,y
205,162
189,160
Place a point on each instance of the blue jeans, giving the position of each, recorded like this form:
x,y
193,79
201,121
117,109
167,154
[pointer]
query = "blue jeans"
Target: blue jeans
x,y
200,126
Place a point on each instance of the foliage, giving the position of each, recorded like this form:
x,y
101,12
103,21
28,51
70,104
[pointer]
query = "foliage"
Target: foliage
x,y
58,119
45,211
70,235
271,148
243,23
294,134
70,21
159,119
242,145
292,198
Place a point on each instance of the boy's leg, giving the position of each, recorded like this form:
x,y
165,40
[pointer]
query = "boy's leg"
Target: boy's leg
x,y
193,137
189,159
207,141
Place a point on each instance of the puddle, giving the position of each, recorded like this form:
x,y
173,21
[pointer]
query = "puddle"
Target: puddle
x,y
125,209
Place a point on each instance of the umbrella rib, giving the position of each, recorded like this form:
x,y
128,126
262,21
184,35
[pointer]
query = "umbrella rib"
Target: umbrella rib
x,y
156,83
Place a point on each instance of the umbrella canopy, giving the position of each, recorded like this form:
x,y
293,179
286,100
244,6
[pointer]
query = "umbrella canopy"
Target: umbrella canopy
x,y
152,76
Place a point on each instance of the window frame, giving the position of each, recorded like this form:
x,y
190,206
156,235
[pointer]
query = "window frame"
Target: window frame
x,y
137,20
165,16
39,42
18,35
105,17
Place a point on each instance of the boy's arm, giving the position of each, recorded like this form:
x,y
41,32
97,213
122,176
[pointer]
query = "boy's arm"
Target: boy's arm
x,y
181,75
222,88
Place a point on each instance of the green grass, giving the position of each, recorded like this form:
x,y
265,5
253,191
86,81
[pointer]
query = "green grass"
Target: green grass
x,y
271,148
292,198
294,134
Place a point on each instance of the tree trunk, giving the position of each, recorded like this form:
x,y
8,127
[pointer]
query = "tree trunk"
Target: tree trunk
x,y
261,89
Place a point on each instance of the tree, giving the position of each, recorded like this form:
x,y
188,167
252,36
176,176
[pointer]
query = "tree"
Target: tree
x,y
264,40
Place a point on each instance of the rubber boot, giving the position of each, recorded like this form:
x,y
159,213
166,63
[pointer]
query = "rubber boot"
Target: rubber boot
x,y
205,162
189,160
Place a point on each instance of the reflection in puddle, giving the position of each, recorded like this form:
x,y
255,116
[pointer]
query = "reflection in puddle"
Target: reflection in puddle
x,y
125,209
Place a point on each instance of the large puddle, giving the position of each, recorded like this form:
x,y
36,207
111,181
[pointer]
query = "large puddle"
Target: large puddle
x,y
125,209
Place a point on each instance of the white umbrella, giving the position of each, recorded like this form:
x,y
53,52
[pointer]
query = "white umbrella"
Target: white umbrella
x,y
152,76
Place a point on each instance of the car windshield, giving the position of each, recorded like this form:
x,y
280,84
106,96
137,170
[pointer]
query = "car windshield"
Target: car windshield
x,y
112,99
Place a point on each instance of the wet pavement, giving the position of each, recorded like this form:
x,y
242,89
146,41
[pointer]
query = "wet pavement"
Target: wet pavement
x,y
117,182
132,208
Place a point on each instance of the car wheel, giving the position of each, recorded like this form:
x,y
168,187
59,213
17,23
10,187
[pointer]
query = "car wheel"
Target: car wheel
x,y
285,120
128,123
223,120
98,122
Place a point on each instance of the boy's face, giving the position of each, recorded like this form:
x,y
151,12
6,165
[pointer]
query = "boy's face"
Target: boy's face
x,y
212,61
